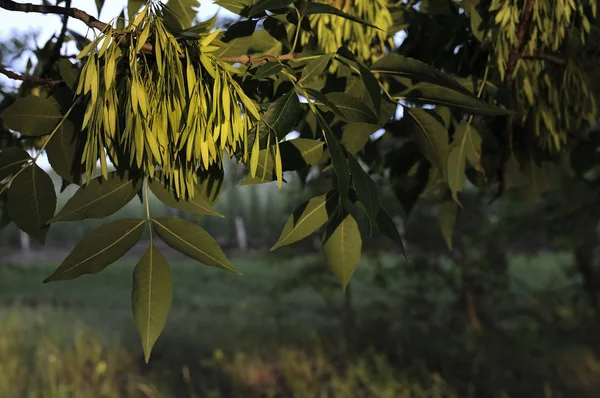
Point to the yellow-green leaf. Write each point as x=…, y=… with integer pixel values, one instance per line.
x=198, y=205
x=32, y=116
x=342, y=247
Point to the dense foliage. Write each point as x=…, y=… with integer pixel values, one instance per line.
x=158, y=101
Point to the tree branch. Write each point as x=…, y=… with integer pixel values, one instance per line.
x=44, y=9
x=33, y=79
x=249, y=59
x=521, y=35
x=545, y=56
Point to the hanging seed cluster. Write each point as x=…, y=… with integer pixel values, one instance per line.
x=560, y=97
x=367, y=43
x=157, y=102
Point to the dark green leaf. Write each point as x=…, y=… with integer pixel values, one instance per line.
x=306, y=219
x=416, y=70
x=99, y=5
x=151, y=297
x=356, y=135
x=338, y=158
x=69, y=73
x=466, y=145
x=277, y=29
x=353, y=109
x=319, y=8
x=300, y=152
x=100, y=248
x=447, y=211
x=435, y=94
x=63, y=152
x=282, y=115
x=180, y=13
x=31, y=201
x=239, y=7
x=210, y=184
x=200, y=28
x=100, y=198
x=365, y=188
x=372, y=86
x=264, y=5
x=431, y=136
x=315, y=68
x=387, y=226
x=198, y=205
x=191, y=240
x=11, y=160
x=133, y=6
x=268, y=69
x=32, y=115
x=317, y=96
x=342, y=247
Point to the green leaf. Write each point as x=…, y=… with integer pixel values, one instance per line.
x=315, y=68
x=416, y=70
x=133, y=6
x=11, y=160
x=372, y=86
x=180, y=13
x=338, y=158
x=356, y=135
x=234, y=47
x=342, y=247
x=264, y=5
x=435, y=94
x=99, y=5
x=69, y=72
x=431, y=136
x=365, y=188
x=317, y=96
x=282, y=115
x=300, y=152
x=63, y=152
x=191, y=240
x=387, y=226
x=265, y=171
x=198, y=205
x=466, y=145
x=447, y=211
x=99, y=249
x=199, y=28
x=31, y=201
x=151, y=297
x=268, y=69
x=353, y=109
x=100, y=198
x=210, y=184
x=319, y=8
x=32, y=116
x=239, y=7
x=306, y=219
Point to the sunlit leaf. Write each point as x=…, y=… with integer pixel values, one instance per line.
x=342, y=247
x=100, y=248
x=319, y=8
x=356, y=135
x=151, y=297
x=300, y=152
x=307, y=218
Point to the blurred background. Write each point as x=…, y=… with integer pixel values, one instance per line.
x=512, y=311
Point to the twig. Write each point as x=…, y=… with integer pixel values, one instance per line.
x=545, y=56
x=34, y=79
x=249, y=59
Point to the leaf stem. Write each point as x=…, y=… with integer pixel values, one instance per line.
x=300, y=17
x=147, y=203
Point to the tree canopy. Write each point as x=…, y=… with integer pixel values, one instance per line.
x=496, y=96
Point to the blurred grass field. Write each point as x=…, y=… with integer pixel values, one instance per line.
x=278, y=330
